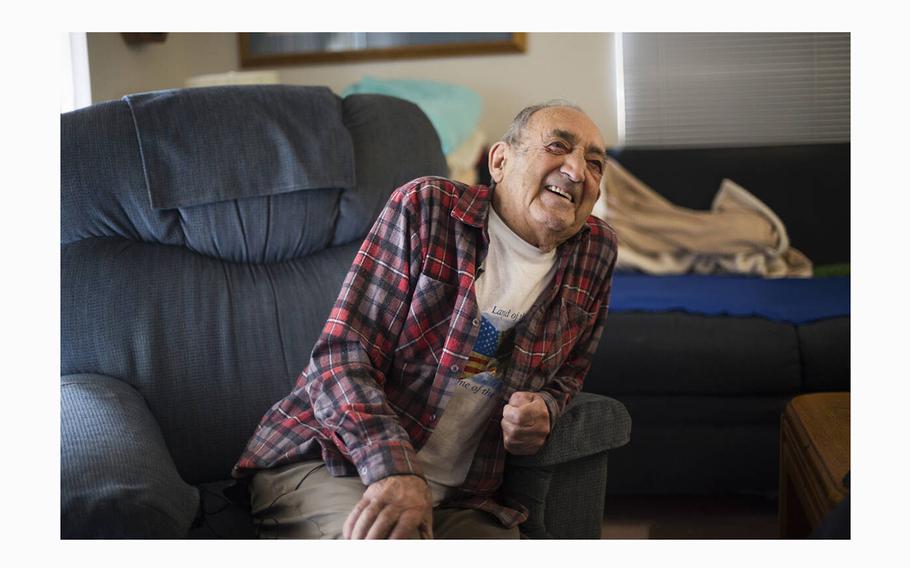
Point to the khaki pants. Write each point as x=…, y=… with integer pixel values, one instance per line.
x=303, y=500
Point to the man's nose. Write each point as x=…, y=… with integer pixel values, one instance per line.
x=573, y=167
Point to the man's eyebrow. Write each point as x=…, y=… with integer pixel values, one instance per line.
x=572, y=139
x=565, y=135
x=592, y=149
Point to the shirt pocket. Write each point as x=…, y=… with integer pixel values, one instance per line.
x=563, y=337
x=427, y=323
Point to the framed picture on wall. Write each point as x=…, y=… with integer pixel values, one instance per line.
x=270, y=49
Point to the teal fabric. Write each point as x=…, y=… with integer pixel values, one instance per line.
x=453, y=110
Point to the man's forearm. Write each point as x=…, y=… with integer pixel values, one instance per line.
x=346, y=377
x=569, y=379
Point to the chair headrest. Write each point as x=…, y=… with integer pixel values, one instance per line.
x=214, y=144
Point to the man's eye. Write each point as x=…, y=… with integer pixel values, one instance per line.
x=596, y=165
x=557, y=147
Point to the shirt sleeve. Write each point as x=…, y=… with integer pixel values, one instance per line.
x=347, y=372
x=569, y=378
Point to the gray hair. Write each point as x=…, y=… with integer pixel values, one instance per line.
x=516, y=130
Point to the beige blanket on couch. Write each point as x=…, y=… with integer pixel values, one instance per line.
x=739, y=235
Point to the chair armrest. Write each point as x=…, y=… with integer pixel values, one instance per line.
x=117, y=478
x=564, y=484
x=591, y=424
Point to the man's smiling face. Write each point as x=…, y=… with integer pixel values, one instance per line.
x=547, y=182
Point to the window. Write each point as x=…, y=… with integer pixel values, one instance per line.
x=76, y=88
x=716, y=89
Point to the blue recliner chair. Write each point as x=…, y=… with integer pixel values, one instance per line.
x=205, y=234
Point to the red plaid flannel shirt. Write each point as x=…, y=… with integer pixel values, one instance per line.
x=402, y=329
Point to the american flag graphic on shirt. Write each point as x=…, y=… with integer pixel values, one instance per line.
x=489, y=350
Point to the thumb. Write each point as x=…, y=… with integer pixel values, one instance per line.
x=520, y=398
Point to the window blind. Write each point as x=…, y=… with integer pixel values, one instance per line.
x=717, y=89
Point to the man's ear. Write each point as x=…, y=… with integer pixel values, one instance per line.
x=497, y=160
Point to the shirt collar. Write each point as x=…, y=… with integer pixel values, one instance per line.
x=473, y=204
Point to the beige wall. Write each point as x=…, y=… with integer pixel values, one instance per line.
x=575, y=66
x=118, y=69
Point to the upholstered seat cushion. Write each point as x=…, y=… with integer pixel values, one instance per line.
x=675, y=353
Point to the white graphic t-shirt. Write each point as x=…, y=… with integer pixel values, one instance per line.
x=515, y=273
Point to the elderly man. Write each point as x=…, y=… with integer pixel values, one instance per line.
x=463, y=328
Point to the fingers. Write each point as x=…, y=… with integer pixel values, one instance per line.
x=348, y=526
x=365, y=521
x=521, y=441
x=519, y=410
x=371, y=521
x=520, y=398
x=383, y=525
x=526, y=409
x=409, y=523
x=514, y=415
x=394, y=507
x=425, y=530
x=525, y=423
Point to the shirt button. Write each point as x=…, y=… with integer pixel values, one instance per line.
x=433, y=418
x=476, y=322
x=454, y=368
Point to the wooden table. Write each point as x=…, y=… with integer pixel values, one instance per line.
x=814, y=458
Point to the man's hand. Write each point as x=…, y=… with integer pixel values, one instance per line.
x=525, y=423
x=393, y=507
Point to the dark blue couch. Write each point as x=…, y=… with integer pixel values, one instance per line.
x=706, y=392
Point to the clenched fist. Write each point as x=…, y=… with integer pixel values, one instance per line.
x=525, y=423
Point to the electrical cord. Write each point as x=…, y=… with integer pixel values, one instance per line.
x=202, y=519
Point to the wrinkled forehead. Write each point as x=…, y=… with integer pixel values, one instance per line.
x=569, y=124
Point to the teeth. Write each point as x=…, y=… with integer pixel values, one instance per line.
x=558, y=191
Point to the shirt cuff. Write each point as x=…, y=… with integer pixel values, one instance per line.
x=378, y=461
x=552, y=406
